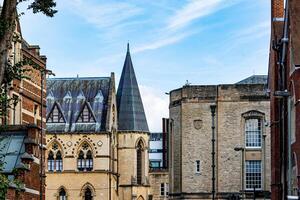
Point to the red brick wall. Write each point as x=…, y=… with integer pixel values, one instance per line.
x=277, y=8
x=292, y=81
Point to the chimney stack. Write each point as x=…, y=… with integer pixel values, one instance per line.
x=277, y=9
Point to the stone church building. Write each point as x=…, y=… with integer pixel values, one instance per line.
x=97, y=138
x=239, y=151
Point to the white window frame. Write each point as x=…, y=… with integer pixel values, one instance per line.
x=253, y=134
x=164, y=189
x=261, y=175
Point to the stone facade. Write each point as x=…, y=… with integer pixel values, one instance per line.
x=159, y=178
x=191, y=135
x=89, y=154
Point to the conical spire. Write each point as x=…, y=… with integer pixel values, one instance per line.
x=131, y=115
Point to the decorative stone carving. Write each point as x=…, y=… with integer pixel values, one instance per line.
x=99, y=143
x=198, y=123
x=69, y=143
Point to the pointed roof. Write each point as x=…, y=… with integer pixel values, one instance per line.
x=254, y=79
x=131, y=115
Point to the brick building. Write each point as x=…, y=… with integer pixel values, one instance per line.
x=20, y=132
x=240, y=145
x=284, y=82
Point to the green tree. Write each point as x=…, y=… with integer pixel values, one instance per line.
x=8, y=19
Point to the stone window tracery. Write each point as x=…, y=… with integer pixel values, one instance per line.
x=55, y=162
x=85, y=158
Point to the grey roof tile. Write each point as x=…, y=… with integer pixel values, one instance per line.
x=71, y=94
x=254, y=79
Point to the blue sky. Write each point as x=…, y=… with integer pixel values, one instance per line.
x=171, y=41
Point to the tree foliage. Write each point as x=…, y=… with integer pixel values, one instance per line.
x=10, y=71
x=8, y=18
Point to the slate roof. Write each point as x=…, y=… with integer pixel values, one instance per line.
x=11, y=148
x=131, y=115
x=71, y=94
x=254, y=79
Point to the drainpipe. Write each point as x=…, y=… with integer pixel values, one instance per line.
x=213, y=140
x=41, y=137
x=282, y=68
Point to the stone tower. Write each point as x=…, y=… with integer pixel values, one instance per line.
x=133, y=136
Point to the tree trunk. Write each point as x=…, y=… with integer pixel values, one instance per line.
x=8, y=19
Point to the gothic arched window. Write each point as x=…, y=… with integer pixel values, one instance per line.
x=55, y=162
x=89, y=161
x=51, y=161
x=85, y=158
x=80, y=161
x=58, y=161
x=139, y=162
x=62, y=194
x=88, y=194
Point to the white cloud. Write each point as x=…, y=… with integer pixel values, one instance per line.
x=195, y=9
x=162, y=42
x=156, y=105
x=103, y=15
x=247, y=35
x=254, y=31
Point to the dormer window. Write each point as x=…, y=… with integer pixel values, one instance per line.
x=55, y=115
x=86, y=115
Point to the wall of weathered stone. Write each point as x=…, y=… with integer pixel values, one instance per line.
x=190, y=137
x=156, y=179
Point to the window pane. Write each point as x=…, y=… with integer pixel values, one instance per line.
x=253, y=174
x=162, y=189
x=253, y=133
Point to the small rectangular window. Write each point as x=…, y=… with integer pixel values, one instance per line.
x=162, y=189
x=167, y=189
x=198, y=166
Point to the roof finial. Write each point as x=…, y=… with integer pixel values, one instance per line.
x=128, y=46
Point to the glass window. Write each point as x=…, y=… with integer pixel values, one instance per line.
x=253, y=174
x=62, y=194
x=162, y=189
x=253, y=132
x=89, y=161
x=85, y=161
x=55, y=116
x=50, y=161
x=197, y=166
x=86, y=115
x=88, y=194
x=58, y=162
x=80, y=161
x=167, y=189
x=155, y=164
